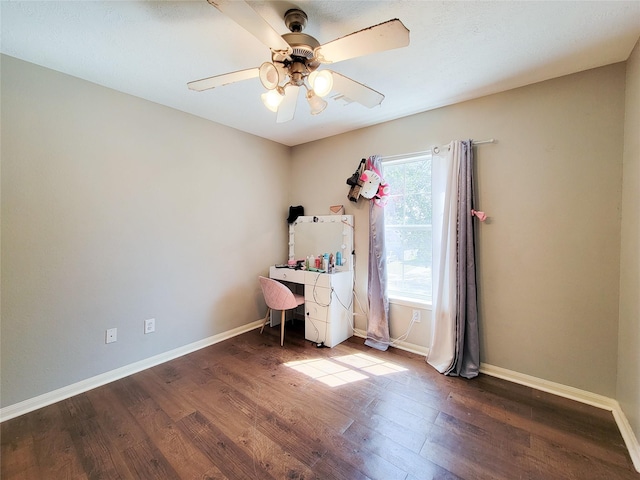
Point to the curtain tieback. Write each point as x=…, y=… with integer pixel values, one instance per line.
x=481, y=215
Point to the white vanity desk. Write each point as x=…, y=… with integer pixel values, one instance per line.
x=328, y=306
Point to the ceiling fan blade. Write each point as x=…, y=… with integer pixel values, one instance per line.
x=349, y=90
x=287, y=108
x=385, y=36
x=224, y=79
x=245, y=16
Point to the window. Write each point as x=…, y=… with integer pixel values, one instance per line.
x=408, y=232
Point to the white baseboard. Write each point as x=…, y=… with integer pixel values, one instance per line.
x=409, y=347
x=63, y=393
x=565, y=391
x=600, y=401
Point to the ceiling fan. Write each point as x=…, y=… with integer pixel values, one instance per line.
x=296, y=58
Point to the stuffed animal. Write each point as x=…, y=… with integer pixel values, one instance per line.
x=370, y=183
x=382, y=195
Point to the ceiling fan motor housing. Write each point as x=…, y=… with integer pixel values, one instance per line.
x=302, y=44
x=300, y=62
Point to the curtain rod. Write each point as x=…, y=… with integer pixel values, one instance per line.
x=435, y=149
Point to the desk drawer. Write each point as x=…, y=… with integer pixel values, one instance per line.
x=317, y=295
x=317, y=279
x=315, y=331
x=287, y=274
x=316, y=312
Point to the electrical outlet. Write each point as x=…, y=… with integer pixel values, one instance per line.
x=416, y=316
x=111, y=335
x=150, y=325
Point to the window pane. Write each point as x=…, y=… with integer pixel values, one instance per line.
x=408, y=228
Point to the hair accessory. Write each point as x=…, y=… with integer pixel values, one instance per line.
x=295, y=212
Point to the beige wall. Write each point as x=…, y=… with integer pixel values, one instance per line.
x=628, y=393
x=549, y=254
x=115, y=210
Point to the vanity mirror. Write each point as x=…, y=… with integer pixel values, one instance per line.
x=318, y=234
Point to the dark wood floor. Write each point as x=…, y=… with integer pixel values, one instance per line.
x=248, y=409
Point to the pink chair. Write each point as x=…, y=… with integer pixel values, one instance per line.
x=278, y=296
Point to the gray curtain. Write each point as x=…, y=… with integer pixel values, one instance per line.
x=378, y=322
x=466, y=362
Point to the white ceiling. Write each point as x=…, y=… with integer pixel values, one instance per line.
x=458, y=51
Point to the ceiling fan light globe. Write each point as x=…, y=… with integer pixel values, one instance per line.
x=269, y=76
x=316, y=103
x=321, y=82
x=272, y=100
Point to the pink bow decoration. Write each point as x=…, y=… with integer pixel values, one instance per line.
x=481, y=215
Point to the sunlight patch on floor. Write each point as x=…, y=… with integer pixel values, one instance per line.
x=345, y=369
